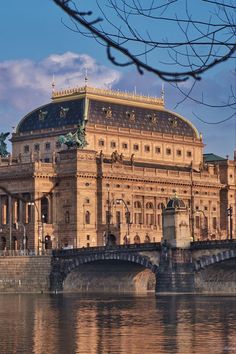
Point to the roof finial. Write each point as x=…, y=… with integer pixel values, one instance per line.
x=163, y=91
x=86, y=77
x=53, y=84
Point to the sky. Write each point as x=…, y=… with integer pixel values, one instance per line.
x=35, y=45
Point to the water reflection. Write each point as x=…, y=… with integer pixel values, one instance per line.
x=116, y=324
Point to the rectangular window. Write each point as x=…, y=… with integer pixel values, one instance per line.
x=118, y=218
x=101, y=143
x=88, y=237
x=36, y=147
x=47, y=146
x=135, y=147
x=58, y=145
x=189, y=153
x=26, y=149
x=113, y=144
x=168, y=151
x=197, y=222
x=214, y=222
x=147, y=148
x=137, y=218
x=125, y=146
x=158, y=150
x=178, y=152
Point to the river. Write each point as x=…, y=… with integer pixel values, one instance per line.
x=115, y=324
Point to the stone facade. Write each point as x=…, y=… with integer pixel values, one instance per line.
x=138, y=156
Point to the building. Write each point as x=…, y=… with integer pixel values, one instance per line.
x=138, y=155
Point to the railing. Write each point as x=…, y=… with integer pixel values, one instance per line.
x=106, y=249
x=213, y=244
x=22, y=253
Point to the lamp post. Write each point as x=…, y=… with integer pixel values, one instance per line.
x=127, y=214
x=230, y=214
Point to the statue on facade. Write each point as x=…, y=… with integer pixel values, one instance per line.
x=77, y=139
x=3, y=145
x=116, y=157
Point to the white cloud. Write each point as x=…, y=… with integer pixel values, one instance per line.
x=25, y=84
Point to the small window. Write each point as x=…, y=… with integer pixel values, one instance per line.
x=67, y=217
x=137, y=204
x=47, y=146
x=88, y=237
x=87, y=217
x=36, y=147
x=178, y=152
x=168, y=151
x=214, y=222
x=157, y=150
x=189, y=153
x=101, y=142
x=58, y=145
x=205, y=208
x=26, y=149
x=113, y=144
x=125, y=146
x=147, y=148
x=149, y=205
x=135, y=147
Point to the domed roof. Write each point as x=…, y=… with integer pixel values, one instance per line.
x=175, y=203
x=110, y=109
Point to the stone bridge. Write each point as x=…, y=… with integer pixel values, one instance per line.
x=206, y=266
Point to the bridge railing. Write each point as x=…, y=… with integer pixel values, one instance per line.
x=102, y=249
x=213, y=244
x=22, y=253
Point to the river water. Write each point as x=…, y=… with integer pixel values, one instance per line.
x=109, y=324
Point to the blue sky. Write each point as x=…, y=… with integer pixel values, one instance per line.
x=35, y=45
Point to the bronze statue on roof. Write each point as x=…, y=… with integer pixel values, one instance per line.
x=77, y=139
x=3, y=145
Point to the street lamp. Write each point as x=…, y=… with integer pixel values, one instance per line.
x=127, y=214
x=230, y=214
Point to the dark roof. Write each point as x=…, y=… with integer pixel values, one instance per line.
x=175, y=203
x=71, y=112
x=213, y=158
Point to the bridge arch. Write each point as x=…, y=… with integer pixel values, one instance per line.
x=64, y=266
x=208, y=260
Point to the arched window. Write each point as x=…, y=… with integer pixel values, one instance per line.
x=87, y=217
x=48, y=242
x=137, y=204
x=149, y=205
x=44, y=209
x=161, y=206
x=147, y=238
x=137, y=239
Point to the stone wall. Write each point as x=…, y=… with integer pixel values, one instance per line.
x=25, y=274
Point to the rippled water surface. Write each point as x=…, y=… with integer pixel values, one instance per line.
x=75, y=323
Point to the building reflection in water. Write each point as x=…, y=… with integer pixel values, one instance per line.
x=116, y=324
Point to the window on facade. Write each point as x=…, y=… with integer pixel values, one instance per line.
x=149, y=219
x=87, y=217
x=87, y=201
x=161, y=206
x=147, y=148
x=159, y=220
x=125, y=146
x=168, y=151
x=137, y=239
x=47, y=160
x=36, y=147
x=101, y=142
x=88, y=244
x=88, y=237
x=197, y=222
x=149, y=205
x=189, y=153
x=138, y=218
x=205, y=207
x=135, y=147
x=58, y=145
x=45, y=209
x=47, y=146
x=113, y=144
x=26, y=149
x=157, y=150
x=214, y=222
x=178, y=152
x=137, y=204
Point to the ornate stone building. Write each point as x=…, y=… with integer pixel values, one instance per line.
x=138, y=155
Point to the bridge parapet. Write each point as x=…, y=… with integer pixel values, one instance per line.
x=132, y=248
x=203, y=245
